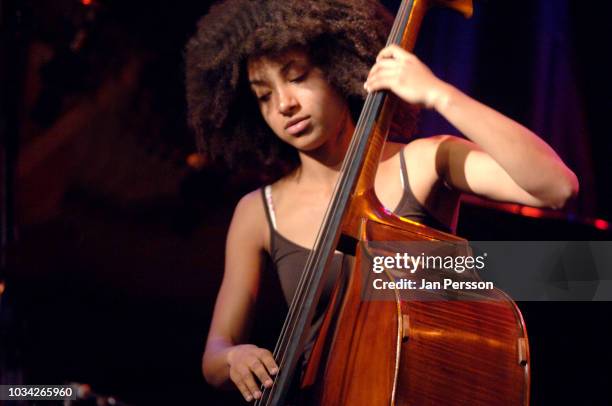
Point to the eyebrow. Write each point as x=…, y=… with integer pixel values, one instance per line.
x=284, y=69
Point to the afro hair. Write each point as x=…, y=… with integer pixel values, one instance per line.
x=342, y=37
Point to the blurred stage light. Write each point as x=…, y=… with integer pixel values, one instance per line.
x=601, y=224
x=531, y=212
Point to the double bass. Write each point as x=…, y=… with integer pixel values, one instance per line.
x=437, y=350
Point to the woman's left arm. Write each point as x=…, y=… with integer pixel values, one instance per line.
x=506, y=161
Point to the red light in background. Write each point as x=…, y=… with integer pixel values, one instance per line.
x=196, y=160
x=601, y=224
x=531, y=212
x=86, y=2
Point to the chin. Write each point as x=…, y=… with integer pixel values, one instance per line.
x=311, y=142
x=307, y=141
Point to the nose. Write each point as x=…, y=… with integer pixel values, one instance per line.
x=287, y=102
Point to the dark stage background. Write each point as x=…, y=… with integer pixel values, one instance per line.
x=113, y=244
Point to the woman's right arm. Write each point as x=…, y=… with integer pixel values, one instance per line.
x=226, y=357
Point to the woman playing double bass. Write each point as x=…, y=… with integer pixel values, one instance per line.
x=284, y=82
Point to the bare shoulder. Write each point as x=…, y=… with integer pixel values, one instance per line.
x=420, y=156
x=250, y=204
x=249, y=222
x=424, y=160
x=428, y=145
x=285, y=192
x=434, y=154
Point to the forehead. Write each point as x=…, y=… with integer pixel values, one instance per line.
x=260, y=66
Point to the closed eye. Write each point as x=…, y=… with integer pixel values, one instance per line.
x=299, y=78
x=264, y=97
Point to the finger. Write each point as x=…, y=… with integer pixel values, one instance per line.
x=246, y=393
x=386, y=53
x=394, y=52
x=388, y=71
x=382, y=65
x=268, y=360
x=238, y=379
x=261, y=373
x=249, y=380
x=380, y=81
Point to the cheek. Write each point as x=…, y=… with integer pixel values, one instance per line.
x=334, y=105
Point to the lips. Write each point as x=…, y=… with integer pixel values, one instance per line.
x=297, y=125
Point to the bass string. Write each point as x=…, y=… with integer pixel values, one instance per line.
x=369, y=106
x=306, y=276
x=313, y=262
x=313, y=268
x=296, y=305
x=366, y=117
x=367, y=113
x=305, y=282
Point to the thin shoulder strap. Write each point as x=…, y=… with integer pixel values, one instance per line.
x=403, y=170
x=267, y=198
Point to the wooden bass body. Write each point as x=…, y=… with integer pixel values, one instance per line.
x=438, y=350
